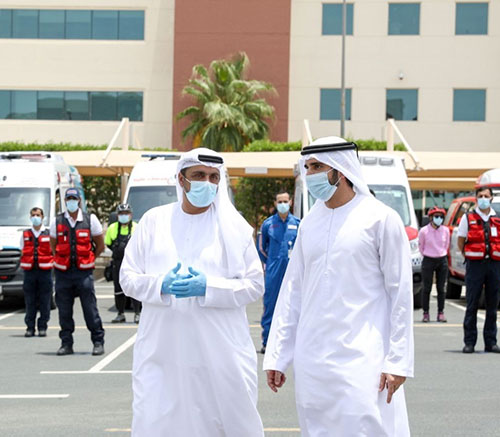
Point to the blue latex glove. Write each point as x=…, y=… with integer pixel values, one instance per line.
x=196, y=285
x=169, y=278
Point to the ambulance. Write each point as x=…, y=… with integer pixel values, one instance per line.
x=28, y=179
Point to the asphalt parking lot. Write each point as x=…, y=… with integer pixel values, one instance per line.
x=81, y=395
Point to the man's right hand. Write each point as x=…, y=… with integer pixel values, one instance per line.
x=275, y=379
x=171, y=276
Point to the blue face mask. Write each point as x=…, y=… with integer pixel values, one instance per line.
x=72, y=205
x=283, y=208
x=202, y=193
x=35, y=220
x=483, y=202
x=123, y=218
x=319, y=186
x=438, y=221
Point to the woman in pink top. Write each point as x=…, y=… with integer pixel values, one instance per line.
x=433, y=242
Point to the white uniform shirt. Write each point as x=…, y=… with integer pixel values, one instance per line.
x=35, y=233
x=95, y=224
x=463, y=226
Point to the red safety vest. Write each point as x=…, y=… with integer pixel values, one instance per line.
x=475, y=245
x=73, y=245
x=36, y=251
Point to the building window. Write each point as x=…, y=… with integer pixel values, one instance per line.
x=71, y=24
x=402, y=104
x=330, y=104
x=332, y=18
x=469, y=105
x=471, y=19
x=404, y=18
x=71, y=105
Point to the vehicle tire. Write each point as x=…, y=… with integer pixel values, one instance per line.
x=453, y=291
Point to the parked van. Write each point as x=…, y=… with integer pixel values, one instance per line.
x=28, y=179
x=386, y=177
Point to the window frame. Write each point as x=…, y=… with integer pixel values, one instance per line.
x=387, y=90
x=390, y=5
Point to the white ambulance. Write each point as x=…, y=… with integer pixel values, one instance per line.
x=28, y=179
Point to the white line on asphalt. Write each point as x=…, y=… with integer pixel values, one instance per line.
x=460, y=307
x=265, y=429
x=82, y=372
x=110, y=357
x=100, y=280
x=104, y=296
x=34, y=396
x=6, y=316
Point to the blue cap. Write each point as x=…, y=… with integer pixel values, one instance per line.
x=72, y=192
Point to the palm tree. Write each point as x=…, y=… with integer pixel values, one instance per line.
x=229, y=111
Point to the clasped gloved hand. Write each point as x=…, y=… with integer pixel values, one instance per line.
x=170, y=277
x=196, y=285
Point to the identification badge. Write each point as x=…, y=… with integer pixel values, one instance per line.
x=292, y=226
x=494, y=232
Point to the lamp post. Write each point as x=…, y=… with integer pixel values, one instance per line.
x=342, y=74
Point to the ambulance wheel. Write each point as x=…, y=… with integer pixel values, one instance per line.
x=453, y=291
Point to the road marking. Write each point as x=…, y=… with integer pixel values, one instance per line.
x=105, y=296
x=437, y=325
x=100, y=280
x=52, y=328
x=34, y=396
x=460, y=307
x=265, y=429
x=116, y=353
x=6, y=316
x=83, y=372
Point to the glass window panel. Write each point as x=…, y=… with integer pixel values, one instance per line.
x=105, y=24
x=103, y=106
x=469, y=105
x=5, y=23
x=76, y=105
x=78, y=24
x=131, y=25
x=402, y=104
x=4, y=104
x=330, y=104
x=404, y=18
x=471, y=19
x=50, y=105
x=25, y=23
x=130, y=105
x=332, y=19
x=52, y=24
x=23, y=104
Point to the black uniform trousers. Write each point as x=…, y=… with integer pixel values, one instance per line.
x=120, y=298
x=478, y=274
x=429, y=266
x=37, y=287
x=69, y=285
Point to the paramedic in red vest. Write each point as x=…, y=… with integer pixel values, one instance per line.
x=37, y=262
x=71, y=237
x=479, y=241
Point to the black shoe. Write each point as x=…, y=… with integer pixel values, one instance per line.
x=120, y=318
x=29, y=333
x=495, y=349
x=98, y=349
x=42, y=333
x=137, y=317
x=65, y=350
x=262, y=350
x=468, y=349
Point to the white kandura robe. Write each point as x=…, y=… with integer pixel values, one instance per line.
x=344, y=316
x=195, y=365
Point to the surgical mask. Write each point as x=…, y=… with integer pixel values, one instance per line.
x=72, y=205
x=35, y=220
x=438, y=221
x=283, y=208
x=202, y=193
x=319, y=185
x=483, y=202
x=123, y=218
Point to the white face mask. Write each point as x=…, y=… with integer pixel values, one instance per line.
x=72, y=205
x=438, y=221
x=35, y=220
x=283, y=208
x=319, y=185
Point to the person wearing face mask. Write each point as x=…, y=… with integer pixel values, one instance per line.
x=37, y=262
x=77, y=240
x=479, y=241
x=194, y=266
x=344, y=314
x=276, y=240
x=117, y=236
x=433, y=242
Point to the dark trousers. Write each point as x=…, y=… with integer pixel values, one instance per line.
x=120, y=298
x=37, y=287
x=69, y=285
x=429, y=266
x=478, y=274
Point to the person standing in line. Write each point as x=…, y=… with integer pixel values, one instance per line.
x=344, y=315
x=479, y=241
x=37, y=262
x=277, y=237
x=72, y=236
x=117, y=237
x=434, y=242
x=194, y=266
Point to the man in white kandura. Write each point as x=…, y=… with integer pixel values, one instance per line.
x=344, y=312
x=194, y=266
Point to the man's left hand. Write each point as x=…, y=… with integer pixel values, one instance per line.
x=392, y=383
x=195, y=285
